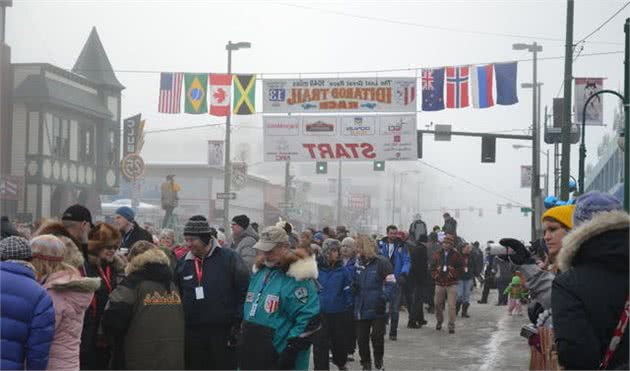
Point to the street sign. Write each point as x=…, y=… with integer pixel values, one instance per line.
x=526, y=209
x=132, y=166
x=526, y=176
x=284, y=205
x=442, y=133
x=226, y=196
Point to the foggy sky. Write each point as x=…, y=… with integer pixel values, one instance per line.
x=143, y=38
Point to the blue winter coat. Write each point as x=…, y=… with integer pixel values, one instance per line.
x=27, y=319
x=335, y=295
x=373, y=285
x=399, y=259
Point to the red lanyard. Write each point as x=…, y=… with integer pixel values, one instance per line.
x=106, y=276
x=617, y=335
x=199, y=270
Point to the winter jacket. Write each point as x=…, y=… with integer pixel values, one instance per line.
x=477, y=256
x=470, y=267
x=450, y=226
x=516, y=291
x=503, y=271
x=145, y=316
x=399, y=258
x=419, y=272
x=27, y=318
x=283, y=302
x=71, y=295
x=349, y=265
x=373, y=286
x=136, y=234
x=335, y=295
x=454, y=267
x=244, y=246
x=224, y=280
x=588, y=297
x=94, y=346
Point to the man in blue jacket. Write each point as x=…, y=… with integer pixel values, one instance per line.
x=26, y=310
x=212, y=283
x=392, y=248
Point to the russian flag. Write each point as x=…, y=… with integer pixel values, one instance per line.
x=482, y=79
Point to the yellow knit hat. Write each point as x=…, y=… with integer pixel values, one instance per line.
x=563, y=214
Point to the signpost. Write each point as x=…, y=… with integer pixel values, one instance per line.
x=226, y=196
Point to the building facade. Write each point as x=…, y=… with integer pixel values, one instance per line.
x=64, y=135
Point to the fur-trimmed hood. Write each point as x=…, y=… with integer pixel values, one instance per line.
x=152, y=256
x=71, y=280
x=297, y=264
x=603, y=240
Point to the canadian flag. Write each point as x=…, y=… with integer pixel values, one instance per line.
x=220, y=94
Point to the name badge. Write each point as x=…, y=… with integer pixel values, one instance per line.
x=199, y=293
x=252, y=311
x=444, y=268
x=466, y=269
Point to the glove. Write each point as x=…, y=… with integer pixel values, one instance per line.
x=533, y=311
x=286, y=359
x=521, y=255
x=402, y=279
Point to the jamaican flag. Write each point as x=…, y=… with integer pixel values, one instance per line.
x=196, y=91
x=244, y=94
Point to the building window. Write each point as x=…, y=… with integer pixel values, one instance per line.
x=111, y=150
x=86, y=144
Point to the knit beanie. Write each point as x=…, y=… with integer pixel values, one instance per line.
x=48, y=247
x=198, y=226
x=241, y=220
x=591, y=203
x=516, y=280
x=15, y=248
x=563, y=214
x=329, y=245
x=126, y=212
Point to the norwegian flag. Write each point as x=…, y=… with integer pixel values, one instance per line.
x=220, y=94
x=9, y=189
x=457, y=85
x=170, y=92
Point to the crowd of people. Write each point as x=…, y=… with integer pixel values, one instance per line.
x=78, y=295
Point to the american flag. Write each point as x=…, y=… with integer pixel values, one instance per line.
x=170, y=92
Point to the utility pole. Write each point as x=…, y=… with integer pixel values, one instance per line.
x=626, y=136
x=339, y=190
x=287, y=188
x=565, y=164
x=393, y=198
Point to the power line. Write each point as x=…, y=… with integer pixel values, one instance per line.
x=432, y=27
x=405, y=69
x=469, y=182
x=198, y=127
x=603, y=24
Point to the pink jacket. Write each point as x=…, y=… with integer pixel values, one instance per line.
x=71, y=294
x=180, y=251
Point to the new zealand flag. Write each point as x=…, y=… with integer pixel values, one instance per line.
x=433, y=89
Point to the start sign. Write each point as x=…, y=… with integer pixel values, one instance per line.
x=132, y=166
x=348, y=138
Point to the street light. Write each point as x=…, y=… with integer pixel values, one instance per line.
x=228, y=165
x=519, y=146
x=534, y=48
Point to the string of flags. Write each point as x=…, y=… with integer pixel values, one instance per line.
x=483, y=86
x=196, y=93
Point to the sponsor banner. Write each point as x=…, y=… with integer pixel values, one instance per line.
x=346, y=138
x=340, y=95
x=358, y=201
x=584, y=88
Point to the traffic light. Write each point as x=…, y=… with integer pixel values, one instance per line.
x=321, y=167
x=488, y=148
x=379, y=165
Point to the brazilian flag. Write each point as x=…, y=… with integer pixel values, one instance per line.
x=196, y=92
x=244, y=94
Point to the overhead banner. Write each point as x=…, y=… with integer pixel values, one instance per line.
x=346, y=138
x=584, y=88
x=340, y=95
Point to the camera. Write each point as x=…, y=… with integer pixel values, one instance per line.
x=529, y=330
x=496, y=249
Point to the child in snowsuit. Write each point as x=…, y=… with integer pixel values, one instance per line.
x=516, y=292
